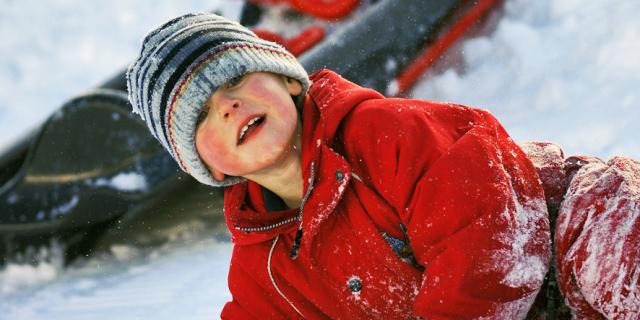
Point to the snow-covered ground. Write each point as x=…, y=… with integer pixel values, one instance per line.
x=183, y=280
x=557, y=70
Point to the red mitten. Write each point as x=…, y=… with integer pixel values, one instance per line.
x=597, y=239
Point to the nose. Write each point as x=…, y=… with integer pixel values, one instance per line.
x=226, y=107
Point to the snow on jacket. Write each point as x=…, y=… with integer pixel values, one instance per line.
x=380, y=174
x=597, y=234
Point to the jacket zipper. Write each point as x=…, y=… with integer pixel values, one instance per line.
x=296, y=242
x=273, y=281
x=298, y=238
x=270, y=226
x=289, y=220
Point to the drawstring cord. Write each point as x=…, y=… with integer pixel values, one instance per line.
x=273, y=280
x=296, y=243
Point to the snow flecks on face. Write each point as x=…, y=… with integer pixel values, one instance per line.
x=128, y=182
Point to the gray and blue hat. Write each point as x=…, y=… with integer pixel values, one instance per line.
x=182, y=63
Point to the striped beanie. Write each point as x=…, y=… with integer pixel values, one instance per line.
x=182, y=63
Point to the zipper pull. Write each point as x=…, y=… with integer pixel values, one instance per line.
x=296, y=245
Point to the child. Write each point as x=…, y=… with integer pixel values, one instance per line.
x=341, y=203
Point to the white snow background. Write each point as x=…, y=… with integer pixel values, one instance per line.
x=566, y=71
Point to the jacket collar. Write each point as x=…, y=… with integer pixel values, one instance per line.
x=328, y=102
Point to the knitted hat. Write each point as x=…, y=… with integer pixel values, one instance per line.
x=182, y=63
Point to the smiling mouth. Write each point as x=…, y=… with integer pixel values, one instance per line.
x=249, y=128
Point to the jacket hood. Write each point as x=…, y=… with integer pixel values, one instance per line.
x=334, y=97
x=329, y=100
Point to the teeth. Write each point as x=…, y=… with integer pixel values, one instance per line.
x=246, y=127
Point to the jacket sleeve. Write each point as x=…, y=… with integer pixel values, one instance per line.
x=470, y=199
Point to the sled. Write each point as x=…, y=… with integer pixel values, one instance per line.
x=88, y=166
x=92, y=174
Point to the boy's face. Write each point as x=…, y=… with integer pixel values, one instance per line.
x=248, y=125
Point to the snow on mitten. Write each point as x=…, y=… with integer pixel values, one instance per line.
x=548, y=159
x=597, y=240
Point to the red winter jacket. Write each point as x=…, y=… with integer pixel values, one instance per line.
x=381, y=173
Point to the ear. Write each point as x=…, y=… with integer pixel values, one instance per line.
x=294, y=86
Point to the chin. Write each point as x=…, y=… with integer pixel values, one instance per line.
x=274, y=155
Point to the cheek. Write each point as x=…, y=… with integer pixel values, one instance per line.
x=289, y=120
x=213, y=151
